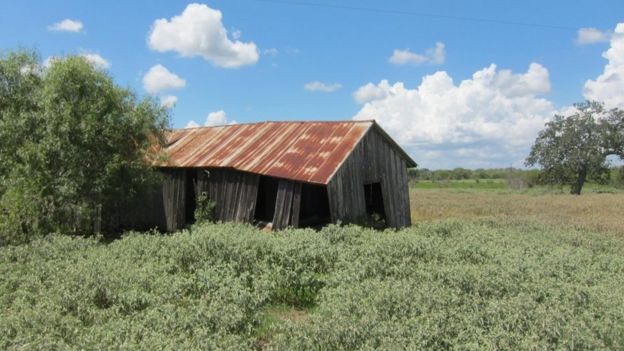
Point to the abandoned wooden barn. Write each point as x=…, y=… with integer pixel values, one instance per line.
x=287, y=173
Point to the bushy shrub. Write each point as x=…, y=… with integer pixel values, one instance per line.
x=433, y=286
x=71, y=143
x=617, y=177
x=204, y=209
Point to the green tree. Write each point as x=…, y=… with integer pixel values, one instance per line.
x=572, y=149
x=460, y=173
x=71, y=143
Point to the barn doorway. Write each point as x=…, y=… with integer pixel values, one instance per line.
x=314, y=210
x=374, y=204
x=265, y=202
x=191, y=196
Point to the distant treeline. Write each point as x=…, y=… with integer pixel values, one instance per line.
x=514, y=176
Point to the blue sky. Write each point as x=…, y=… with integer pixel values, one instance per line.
x=457, y=83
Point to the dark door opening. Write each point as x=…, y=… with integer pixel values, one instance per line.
x=265, y=203
x=374, y=202
x=314, y=210
x=191, y=196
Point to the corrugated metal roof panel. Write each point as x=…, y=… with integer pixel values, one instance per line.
x=303, y=151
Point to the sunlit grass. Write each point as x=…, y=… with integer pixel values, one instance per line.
x=596, y=209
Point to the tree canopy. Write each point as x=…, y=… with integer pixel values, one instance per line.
x=571, y=149
x=71, y=141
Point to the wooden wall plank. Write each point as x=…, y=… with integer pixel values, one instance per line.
x=247, y=196
x=296, y=205
x=283, y=204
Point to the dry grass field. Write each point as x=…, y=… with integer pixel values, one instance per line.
x=591, y=211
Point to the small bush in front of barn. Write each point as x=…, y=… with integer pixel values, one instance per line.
x=204, y=209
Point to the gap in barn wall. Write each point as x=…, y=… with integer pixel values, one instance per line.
x=314, y=211
x=374, y=200
x=267, y=196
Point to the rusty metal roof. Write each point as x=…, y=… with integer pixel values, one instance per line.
x=303, y=151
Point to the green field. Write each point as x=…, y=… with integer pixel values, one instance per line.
x=479, y=270
x=508, y=186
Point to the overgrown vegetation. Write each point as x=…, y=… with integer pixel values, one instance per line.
x=204, y=209
x=224, y=286
x=72, y=145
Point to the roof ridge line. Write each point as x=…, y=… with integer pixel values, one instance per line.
x=287, y=121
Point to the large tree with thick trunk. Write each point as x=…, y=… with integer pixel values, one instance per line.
x=574, y=148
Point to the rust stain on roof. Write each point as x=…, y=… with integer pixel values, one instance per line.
x=303, y=151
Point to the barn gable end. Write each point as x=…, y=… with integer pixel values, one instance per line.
x=375, y=161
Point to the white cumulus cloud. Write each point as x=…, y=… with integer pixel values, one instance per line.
x=192, y=124
x=322, y=87
x=158, y=78
x=488, y=120
x=370, y=91
x=217, y=118
x=96, y=60
x=433, y=56
x=66, y=25
x=199, y=31
x=168, y=101
x=609, y=86
x=590, y=35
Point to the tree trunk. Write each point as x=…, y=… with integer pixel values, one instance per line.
x=580, y=181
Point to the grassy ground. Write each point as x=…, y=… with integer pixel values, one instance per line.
x=599, y=208
x=462, y=184
x=481, y=269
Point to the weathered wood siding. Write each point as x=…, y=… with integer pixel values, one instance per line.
x=142, y=213
x=373, y=160
x=235, y=193
x=287, y=204
x=174, y=199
